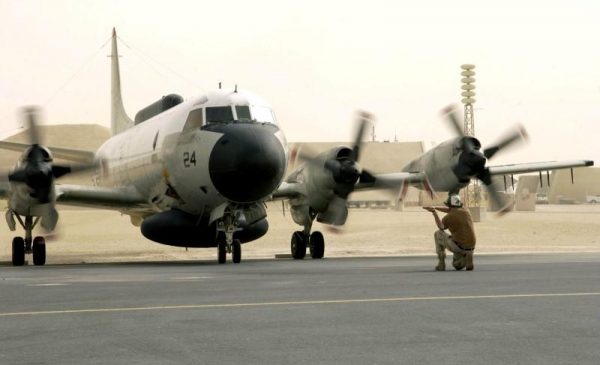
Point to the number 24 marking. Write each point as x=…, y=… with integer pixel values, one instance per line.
x=189, y=159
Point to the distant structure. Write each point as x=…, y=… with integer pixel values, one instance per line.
x=472, y=191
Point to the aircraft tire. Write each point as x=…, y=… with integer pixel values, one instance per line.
x=222, y=252
x=317, y=245
x=18, y=251
x=236, y=254
x=39, y=251
x=298, y=245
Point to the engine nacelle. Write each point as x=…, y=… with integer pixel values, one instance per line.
x=438, y=164
x=322, y=190
x=320, y=184
x=177, y=228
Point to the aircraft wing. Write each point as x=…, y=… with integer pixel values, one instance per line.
x=290, y=190
x=537, y=166
x=100, y=197
x=69, y=154
x=389, y=180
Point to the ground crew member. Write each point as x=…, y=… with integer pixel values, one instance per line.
x=460, y=241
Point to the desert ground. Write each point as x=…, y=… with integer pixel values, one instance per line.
x=106, y=236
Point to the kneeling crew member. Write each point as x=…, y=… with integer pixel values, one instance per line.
x=460, y=241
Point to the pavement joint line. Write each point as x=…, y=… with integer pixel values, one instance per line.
x=306, y=302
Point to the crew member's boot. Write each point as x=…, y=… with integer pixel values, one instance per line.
x=459, y=260
x=469, y=261
x=440, y=249
x=441, y=266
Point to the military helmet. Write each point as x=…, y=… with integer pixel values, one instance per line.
x=453, y=201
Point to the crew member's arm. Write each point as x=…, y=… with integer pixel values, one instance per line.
x=438, y=221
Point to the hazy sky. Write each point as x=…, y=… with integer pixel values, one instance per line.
x=316, y=62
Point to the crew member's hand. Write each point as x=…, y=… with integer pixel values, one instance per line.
x=429, y=209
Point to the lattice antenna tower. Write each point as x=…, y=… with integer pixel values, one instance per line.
x=472, y=195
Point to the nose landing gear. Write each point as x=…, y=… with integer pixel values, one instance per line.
x=226, y=227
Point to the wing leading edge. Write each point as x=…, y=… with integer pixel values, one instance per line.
x=290, y=190
x=538, y=166
x=125, y=198
x=69, y=154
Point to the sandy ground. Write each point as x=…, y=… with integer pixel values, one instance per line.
x=102, y=236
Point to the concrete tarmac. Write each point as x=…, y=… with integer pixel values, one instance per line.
x=513, y=309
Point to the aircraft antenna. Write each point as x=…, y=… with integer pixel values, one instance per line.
x=235, y=91
x=219, y=85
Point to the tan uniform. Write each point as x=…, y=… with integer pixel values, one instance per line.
x=462, y=239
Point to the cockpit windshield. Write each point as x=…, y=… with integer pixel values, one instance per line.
x=219, y=114
x=253, y=113
x=262, y=114
x=243, y=112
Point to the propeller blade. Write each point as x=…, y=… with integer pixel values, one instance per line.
x=32, y=114
x=300, y=153
x=450, y=113
x=18, y=176
x=363, y=119
x=402, y=193
x=62, y=170
x=499, y=202
x=519, y=134
x=452, y=117
x=337, y=211
x=303, y=154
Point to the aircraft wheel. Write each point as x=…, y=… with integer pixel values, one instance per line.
x=18, y=251
x=222, y=255
x=317, y=245
x=236, y=251
x=298, y=245
x=39, y=251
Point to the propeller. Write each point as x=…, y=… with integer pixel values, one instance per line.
x=344, y=170
x=36, y=168
x=471, y=162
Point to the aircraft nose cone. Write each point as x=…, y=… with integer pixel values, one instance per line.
x=247, y=163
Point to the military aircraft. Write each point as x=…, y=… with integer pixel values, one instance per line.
x=192, y=173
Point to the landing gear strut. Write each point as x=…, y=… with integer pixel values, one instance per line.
x=226, y=227
x=303, y=239
x=28, y=245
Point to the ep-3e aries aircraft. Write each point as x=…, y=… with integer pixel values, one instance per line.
x=192, y=173
x=197, y=173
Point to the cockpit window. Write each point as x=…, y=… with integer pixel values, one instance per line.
x=243, y=112
x=194, y=120
x=219, y=114
x=262, y=114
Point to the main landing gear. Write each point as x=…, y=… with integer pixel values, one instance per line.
x=28, y=245
x=226, y=227
x=314, y=241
